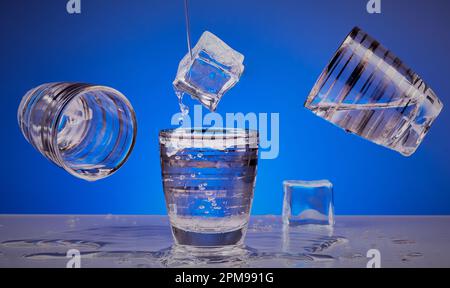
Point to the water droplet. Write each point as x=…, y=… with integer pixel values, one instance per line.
x=208, y=193
x=193, y=175
x=177, y=157
x=414, y=254
x=201, y=207
x=182, y=177
x=200, y=155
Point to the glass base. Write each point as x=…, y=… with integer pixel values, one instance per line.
x=208, y=239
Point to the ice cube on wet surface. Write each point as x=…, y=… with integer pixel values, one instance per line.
x=213, y=70
x=308, y=202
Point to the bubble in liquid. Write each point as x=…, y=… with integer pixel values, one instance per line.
x=193, y=175
x=182, y=177
x=200, y=155
x=201, y=207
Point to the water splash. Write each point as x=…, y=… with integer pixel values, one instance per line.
x=49, y=243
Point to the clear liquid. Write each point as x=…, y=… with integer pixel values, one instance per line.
x=209, y=194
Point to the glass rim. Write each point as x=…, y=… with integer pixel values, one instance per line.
x=308, y=183
x=210, y=133
x=222, y=139
x=85, y=90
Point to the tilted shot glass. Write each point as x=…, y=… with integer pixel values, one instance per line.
x=88, y=130
x=368, y=91
x=208, y=179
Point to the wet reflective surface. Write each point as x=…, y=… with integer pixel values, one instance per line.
x=146, y=241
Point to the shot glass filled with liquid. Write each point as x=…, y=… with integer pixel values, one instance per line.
x=208, y=179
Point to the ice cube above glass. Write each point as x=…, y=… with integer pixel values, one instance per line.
x=213, y=69
x=308, y=202
x=368, y=91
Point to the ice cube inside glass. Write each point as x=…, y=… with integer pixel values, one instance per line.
x=213, y=70
x=308, y=202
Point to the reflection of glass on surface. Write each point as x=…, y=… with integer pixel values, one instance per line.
x=88, y=130
x=208, y=178
x=143, y=240
x=308, y=202
x=180, y=256
x=367, y=90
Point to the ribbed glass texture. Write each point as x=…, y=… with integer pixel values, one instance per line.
x=86, y=129
x=368, y=91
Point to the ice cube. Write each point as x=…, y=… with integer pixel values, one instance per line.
x=308, y=202
x=213, y=70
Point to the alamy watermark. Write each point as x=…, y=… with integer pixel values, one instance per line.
x=73, y=6
x=74, y=258
x=375, y=258
x=267, y=125
x=373, y=7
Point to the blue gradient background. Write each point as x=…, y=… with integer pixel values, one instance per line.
x=135, y=46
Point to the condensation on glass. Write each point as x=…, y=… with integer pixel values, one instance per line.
x=88, y=130
x=368, y=91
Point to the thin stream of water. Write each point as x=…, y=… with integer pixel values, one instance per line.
x=188, y=26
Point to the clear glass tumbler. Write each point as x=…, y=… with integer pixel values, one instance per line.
x=88, y=130
x=208, y=178
x=368, y=91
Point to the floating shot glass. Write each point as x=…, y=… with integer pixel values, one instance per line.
x=208, y=179
x=368, y=91
x=88, y=130
x=308, y=202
